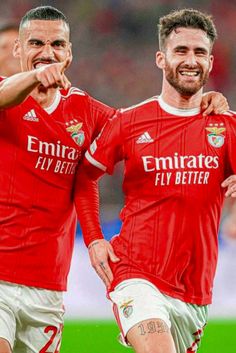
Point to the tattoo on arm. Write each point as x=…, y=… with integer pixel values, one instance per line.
x=157, y=326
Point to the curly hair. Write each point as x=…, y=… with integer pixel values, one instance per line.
x=187, y=18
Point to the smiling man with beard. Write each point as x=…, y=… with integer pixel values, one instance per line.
x=186, y=60
x=175, y=162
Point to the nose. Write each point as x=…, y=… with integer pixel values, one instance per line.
x=190, y=58
x=47, y=49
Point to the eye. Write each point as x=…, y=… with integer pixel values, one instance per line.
x=35, y=43
x=180, y=50
x=60, y=44
x=200, y=52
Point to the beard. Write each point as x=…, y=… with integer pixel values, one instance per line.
x=185, y=89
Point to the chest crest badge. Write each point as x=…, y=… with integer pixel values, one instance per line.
x=215, y=136
x=75, y=130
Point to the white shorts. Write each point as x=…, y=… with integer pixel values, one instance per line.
x=31, y=318
x=136, y=300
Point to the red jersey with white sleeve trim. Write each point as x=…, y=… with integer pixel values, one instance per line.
x=175, y=161
x=40, y=151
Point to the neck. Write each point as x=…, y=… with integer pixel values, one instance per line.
x=175, y=99
x=44, y=97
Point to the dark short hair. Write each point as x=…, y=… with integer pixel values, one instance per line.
x=48, y=13
x=188, y=18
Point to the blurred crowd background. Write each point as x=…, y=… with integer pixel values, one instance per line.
x=114, y=46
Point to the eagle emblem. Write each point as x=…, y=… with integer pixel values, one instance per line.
x=74, y=128
x=215, y=137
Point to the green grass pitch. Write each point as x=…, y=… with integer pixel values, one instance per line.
x=100, y=337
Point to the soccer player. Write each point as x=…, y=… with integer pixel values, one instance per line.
x=9, y=65
x=175, y=162
x=45, y=127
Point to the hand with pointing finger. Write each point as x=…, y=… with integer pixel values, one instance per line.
x=53, y=75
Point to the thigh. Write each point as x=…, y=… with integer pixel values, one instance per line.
x=7, y=318
x=40, y=322
x=188, y=322
x=142, y=314
x=151, y=336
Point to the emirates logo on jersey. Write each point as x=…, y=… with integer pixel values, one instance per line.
x=215, y=138
x=74, y=128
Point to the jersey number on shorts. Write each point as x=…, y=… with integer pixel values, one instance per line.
x=54, y=331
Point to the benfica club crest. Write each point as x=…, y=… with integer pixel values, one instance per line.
x=127, y=309
x=215, y=138
x=74, y=128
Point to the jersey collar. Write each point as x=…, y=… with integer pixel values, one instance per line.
x=177, y=111
x=55, y=103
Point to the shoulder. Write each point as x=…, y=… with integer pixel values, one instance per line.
x=82, y=96
x=230, y=113
x=73, y=92
x=137, y=112
x=229, y=117
x=140, y=107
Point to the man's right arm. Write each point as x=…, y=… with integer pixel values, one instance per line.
x=101, y=157
x=15, y=89
x=87, y=206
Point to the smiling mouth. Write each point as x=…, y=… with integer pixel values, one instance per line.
x=189, y=73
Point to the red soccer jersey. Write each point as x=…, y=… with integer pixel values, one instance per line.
x=40, y=150
x=175, y=161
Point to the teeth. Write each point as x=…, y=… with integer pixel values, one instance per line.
x=40, y=65
x=187, y=73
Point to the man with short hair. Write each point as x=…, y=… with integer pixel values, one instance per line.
x=45, y=127
x=175, y=161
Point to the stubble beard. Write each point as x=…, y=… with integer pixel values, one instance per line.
x=183, y=88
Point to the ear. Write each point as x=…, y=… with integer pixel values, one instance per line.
x=211, y=62
x=160, y=60
x=16, y=49
x=70, y=51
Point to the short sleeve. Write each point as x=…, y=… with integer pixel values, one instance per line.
x=107, y=149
